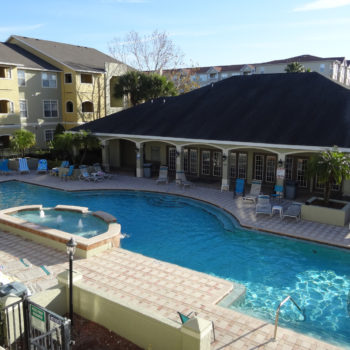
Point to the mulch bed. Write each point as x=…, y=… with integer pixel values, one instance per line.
x=91, y=336
x=334, y=205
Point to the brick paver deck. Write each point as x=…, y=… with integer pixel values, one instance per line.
x=166, y=288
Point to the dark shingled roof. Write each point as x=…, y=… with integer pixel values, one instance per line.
x=305, y=58
x=79, y=58
x=290, y=109
x=11, y=53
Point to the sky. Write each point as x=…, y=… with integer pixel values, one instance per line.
x=209, y=33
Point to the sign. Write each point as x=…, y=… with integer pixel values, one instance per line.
x=37, y=318
x=281, y=172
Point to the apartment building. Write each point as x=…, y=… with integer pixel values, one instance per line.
x=43, y=83
x=336, y=68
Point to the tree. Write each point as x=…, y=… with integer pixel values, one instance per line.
x=63, y=146
x=59, y=129
x=330, y=167
x=152, y=52
x=140, y=87
x=85, y=141
x=295, y=67
x=22, y=140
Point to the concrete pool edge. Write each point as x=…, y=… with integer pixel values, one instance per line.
x=57, y=239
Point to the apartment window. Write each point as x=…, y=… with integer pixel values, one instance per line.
x=21, y=75
x=6, y=107
x=23, y=110
x=258, y=167
x=270, y=176
x=288, y=165
x=322, y=67
x=5, y=72
x=87, y=107
x=86, y=78
x=301, y=172
x=69, y=107
x=68, y=79
x=172, y=158
x=50, y=108
x=242, y=165
x=185, y=160
x=49, y=80
x=49, y=135
x=212, y=75
x=217, y=160
x=193, y=161
x=233, y=164
x=205, y=162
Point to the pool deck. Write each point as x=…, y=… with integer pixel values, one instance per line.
x=166, y=288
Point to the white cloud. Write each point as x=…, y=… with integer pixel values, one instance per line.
x=19, y=29
x=322, y=4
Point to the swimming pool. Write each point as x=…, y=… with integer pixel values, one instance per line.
x=201, y=237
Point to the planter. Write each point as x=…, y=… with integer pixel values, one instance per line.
x=325, y=215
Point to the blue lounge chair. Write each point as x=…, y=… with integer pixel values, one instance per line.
x=69, y=174
x=185, y=318
x=278, y=192
x=42, y=166
x=55, y=171
x=4, y=167
x=23, y=166
x=239, y=189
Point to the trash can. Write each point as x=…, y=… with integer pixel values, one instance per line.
x=147, y=169
x=291, y=189
x=16, y=288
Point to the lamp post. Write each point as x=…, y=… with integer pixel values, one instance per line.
x=71, y=246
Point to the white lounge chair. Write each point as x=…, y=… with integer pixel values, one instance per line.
x=255, y=190
x=293, y=211
x=163, y=175
x=23, y=166
x=100, y=172
x=263, y=205
x=84, y=175
x=183, y=180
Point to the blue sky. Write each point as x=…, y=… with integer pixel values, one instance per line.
x=208, y=32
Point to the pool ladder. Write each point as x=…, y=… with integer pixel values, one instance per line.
x=278, y=312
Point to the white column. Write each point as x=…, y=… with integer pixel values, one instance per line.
x=225, y=185
x=105, y=155
x=179, y=164
x=139, y=159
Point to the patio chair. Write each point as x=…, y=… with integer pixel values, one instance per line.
x=278, y=192
x=184, y=318
x=263, y=205
x=293, y=211
x=23, y=166
x=4, y=167
x=69, y=173
x=100, y=172
x=163, y=175
x=42, y=166
x=84, y=175
x=255, y=190
x=239, y=188
x=55, y=171
x=183, y=180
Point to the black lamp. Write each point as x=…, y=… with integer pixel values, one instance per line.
x=71, y=247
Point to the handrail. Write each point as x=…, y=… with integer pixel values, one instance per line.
x=278, y=312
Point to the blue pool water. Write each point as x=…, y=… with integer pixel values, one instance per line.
x=204, y=238
x=84, y=225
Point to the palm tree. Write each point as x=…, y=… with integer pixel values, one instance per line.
x=85, y=141
x=330, y=167
x=22, y=140
x=295, y=67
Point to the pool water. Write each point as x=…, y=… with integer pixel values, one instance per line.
x=201, y=237
x=84, y=225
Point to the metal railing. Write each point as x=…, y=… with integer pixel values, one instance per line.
x=278, y=312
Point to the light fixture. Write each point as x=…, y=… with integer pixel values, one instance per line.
x=280, y=163
x=71, y=248
x=137, y=150
x=224, y=157
x=177, y=153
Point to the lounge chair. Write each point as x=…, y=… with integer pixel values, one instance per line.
x=278, y=192
x=84, y=175
x=4, y=167
x=163, y=175
x=100, y=172
x=239, y=188
x=55, y=171
x=184, y=318
x=263, y=205
x=293, y=211
x=255, y=190
x=23, y=166
x=42, y=166
x=69, y=173
x=183, y=180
